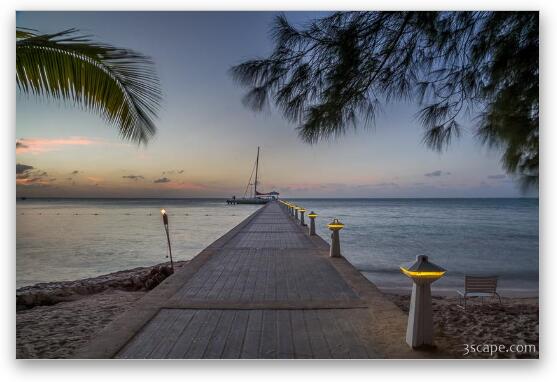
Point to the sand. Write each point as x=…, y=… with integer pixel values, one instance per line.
x=54, y=319
x=56, y=331
x=515, y=322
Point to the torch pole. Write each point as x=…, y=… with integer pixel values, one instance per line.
x=169, y=247
x=165, y=223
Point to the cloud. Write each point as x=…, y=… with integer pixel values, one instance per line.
x=499, y=176
x=133, y=177
x=172, y=172
x=28, y=175
x=377, y=185
x=21, y=168
x=39, y=145
x=95, y=179
x=388, y=184
x=185, y=186
x=436, y=173
x=20, y=145
x=162, y=180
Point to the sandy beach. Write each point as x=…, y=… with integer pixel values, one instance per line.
x=57, y=329
x=54, y=319
x=515, y=322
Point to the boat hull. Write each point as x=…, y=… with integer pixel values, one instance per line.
x=248, y=201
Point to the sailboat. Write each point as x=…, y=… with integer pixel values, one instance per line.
x=256, y=197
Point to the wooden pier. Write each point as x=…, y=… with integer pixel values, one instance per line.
x=266, y=289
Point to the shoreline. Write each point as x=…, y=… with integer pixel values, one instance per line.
x=451, y=293
x=52, y=293
x=54, y=319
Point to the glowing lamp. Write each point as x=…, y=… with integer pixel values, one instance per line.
x=422, y=270
x=164, y=217
x=419, y=331
x=335, y=226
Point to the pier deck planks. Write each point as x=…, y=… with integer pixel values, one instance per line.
x=266, y=290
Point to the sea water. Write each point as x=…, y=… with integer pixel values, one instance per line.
x=67, y=239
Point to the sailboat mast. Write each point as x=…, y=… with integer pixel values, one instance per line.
x=256, y=168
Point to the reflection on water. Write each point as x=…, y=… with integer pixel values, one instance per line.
x=71, y=239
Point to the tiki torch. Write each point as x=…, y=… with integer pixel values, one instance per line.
x=165, y=222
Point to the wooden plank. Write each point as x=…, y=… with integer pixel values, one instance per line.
x=259, y=292
x=149, y=338
x=268, y=347
x=203, y=336
x=216, y=344
x=302, y=345
x=284, y=335
x=250, y=348
x=332, y=334
x=186, y=338
x=319, y=347
x=168, y=337
x=236, y=336
x=352, y=341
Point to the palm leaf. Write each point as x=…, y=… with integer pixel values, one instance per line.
x=118, y=84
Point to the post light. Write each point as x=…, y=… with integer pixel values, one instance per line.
x=302, y=211
x=312, y=215
x=420, y=318
x=335, y=226
x=165, y=223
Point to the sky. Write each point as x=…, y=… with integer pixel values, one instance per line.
x=207, y=140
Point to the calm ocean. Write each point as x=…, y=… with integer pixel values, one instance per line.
x=67, y=239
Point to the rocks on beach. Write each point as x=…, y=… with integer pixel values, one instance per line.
x=137, y=279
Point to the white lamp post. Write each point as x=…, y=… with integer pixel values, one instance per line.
x=312, y=215
x=302, y=211
x=420, y=318
x=335, y=226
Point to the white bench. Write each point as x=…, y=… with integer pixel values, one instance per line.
x=478, y=286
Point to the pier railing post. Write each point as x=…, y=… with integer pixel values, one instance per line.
x=312, y=215
x=296, y=212
x=335, y=226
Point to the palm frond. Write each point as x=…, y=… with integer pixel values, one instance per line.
x=118, y=84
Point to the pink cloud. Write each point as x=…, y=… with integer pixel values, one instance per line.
x=94, y=179
x=39, y=145
x=183, y=186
